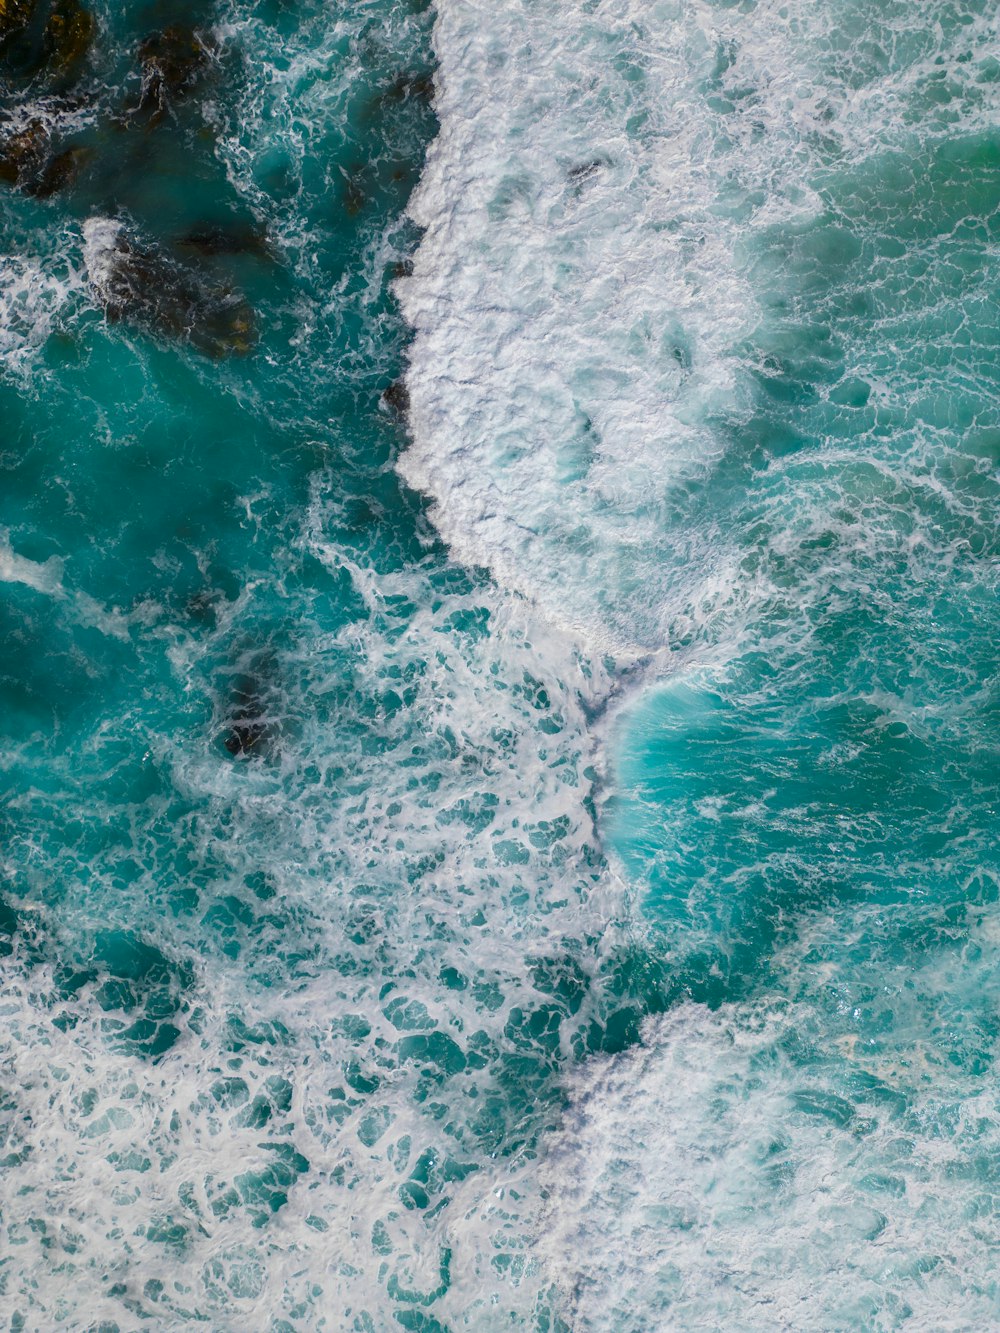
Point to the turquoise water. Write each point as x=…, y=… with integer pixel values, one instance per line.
x=514, y=850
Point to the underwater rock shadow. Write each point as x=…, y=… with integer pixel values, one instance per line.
x=252, y=720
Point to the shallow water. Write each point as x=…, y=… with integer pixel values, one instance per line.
x=519, y=857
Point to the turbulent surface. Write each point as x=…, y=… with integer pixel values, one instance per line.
x=298, y=848
x=705, y=364
x=584, y=921
x=630, y=210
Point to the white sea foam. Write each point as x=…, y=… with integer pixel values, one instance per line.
x=41, y=281
x=426, y=816
x=582, y=298
x=399, y=842
x=590, y=303
x=430, y=805
x=44, y=576
x=34, y=294
x=101, y=238
x=706, y=1178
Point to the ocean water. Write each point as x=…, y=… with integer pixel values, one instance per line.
x=499, y=573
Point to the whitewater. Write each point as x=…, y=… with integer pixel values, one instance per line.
x=498, y=557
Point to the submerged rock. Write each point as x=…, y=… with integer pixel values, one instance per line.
x=229, y=239
x=249, y=731
x=585, y=171
x=48, y=45
x=69, y=35
x=14, y=16
x=59, y=172
x=173, y=63
x=138, y=284
x=23, y=154
x=28, y=164
x=354, y=189
x=417, y=87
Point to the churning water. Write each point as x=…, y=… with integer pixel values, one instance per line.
x=501, y=725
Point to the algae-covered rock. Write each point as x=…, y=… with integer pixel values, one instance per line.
x=396, y=398
x=44, y=46
x=28, y=163
x=23, y=153
x=138, y=284
x=173, y=63
x=58, y=173
x=69, y=34
x=14, y=15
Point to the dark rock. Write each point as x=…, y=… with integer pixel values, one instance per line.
x=403, y=268
x=229, y=239
x=69, y=35
x=201, y=607
x=23, y=154
x=249, y=731
x=353, y=194
x=397, y=398
x=583, y=171
x=14, y=16
x=417, y=87
x=361, y=512
x=9, y=925
x=244, y=738
x=139, y=284
x=59, y=172
x=44, y=45
x=173, y=63
x=27, y=163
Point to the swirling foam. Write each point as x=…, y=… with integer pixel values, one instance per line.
x=585, y=295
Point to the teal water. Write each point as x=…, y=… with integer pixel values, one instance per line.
x=513, y=851
x=248, y=707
